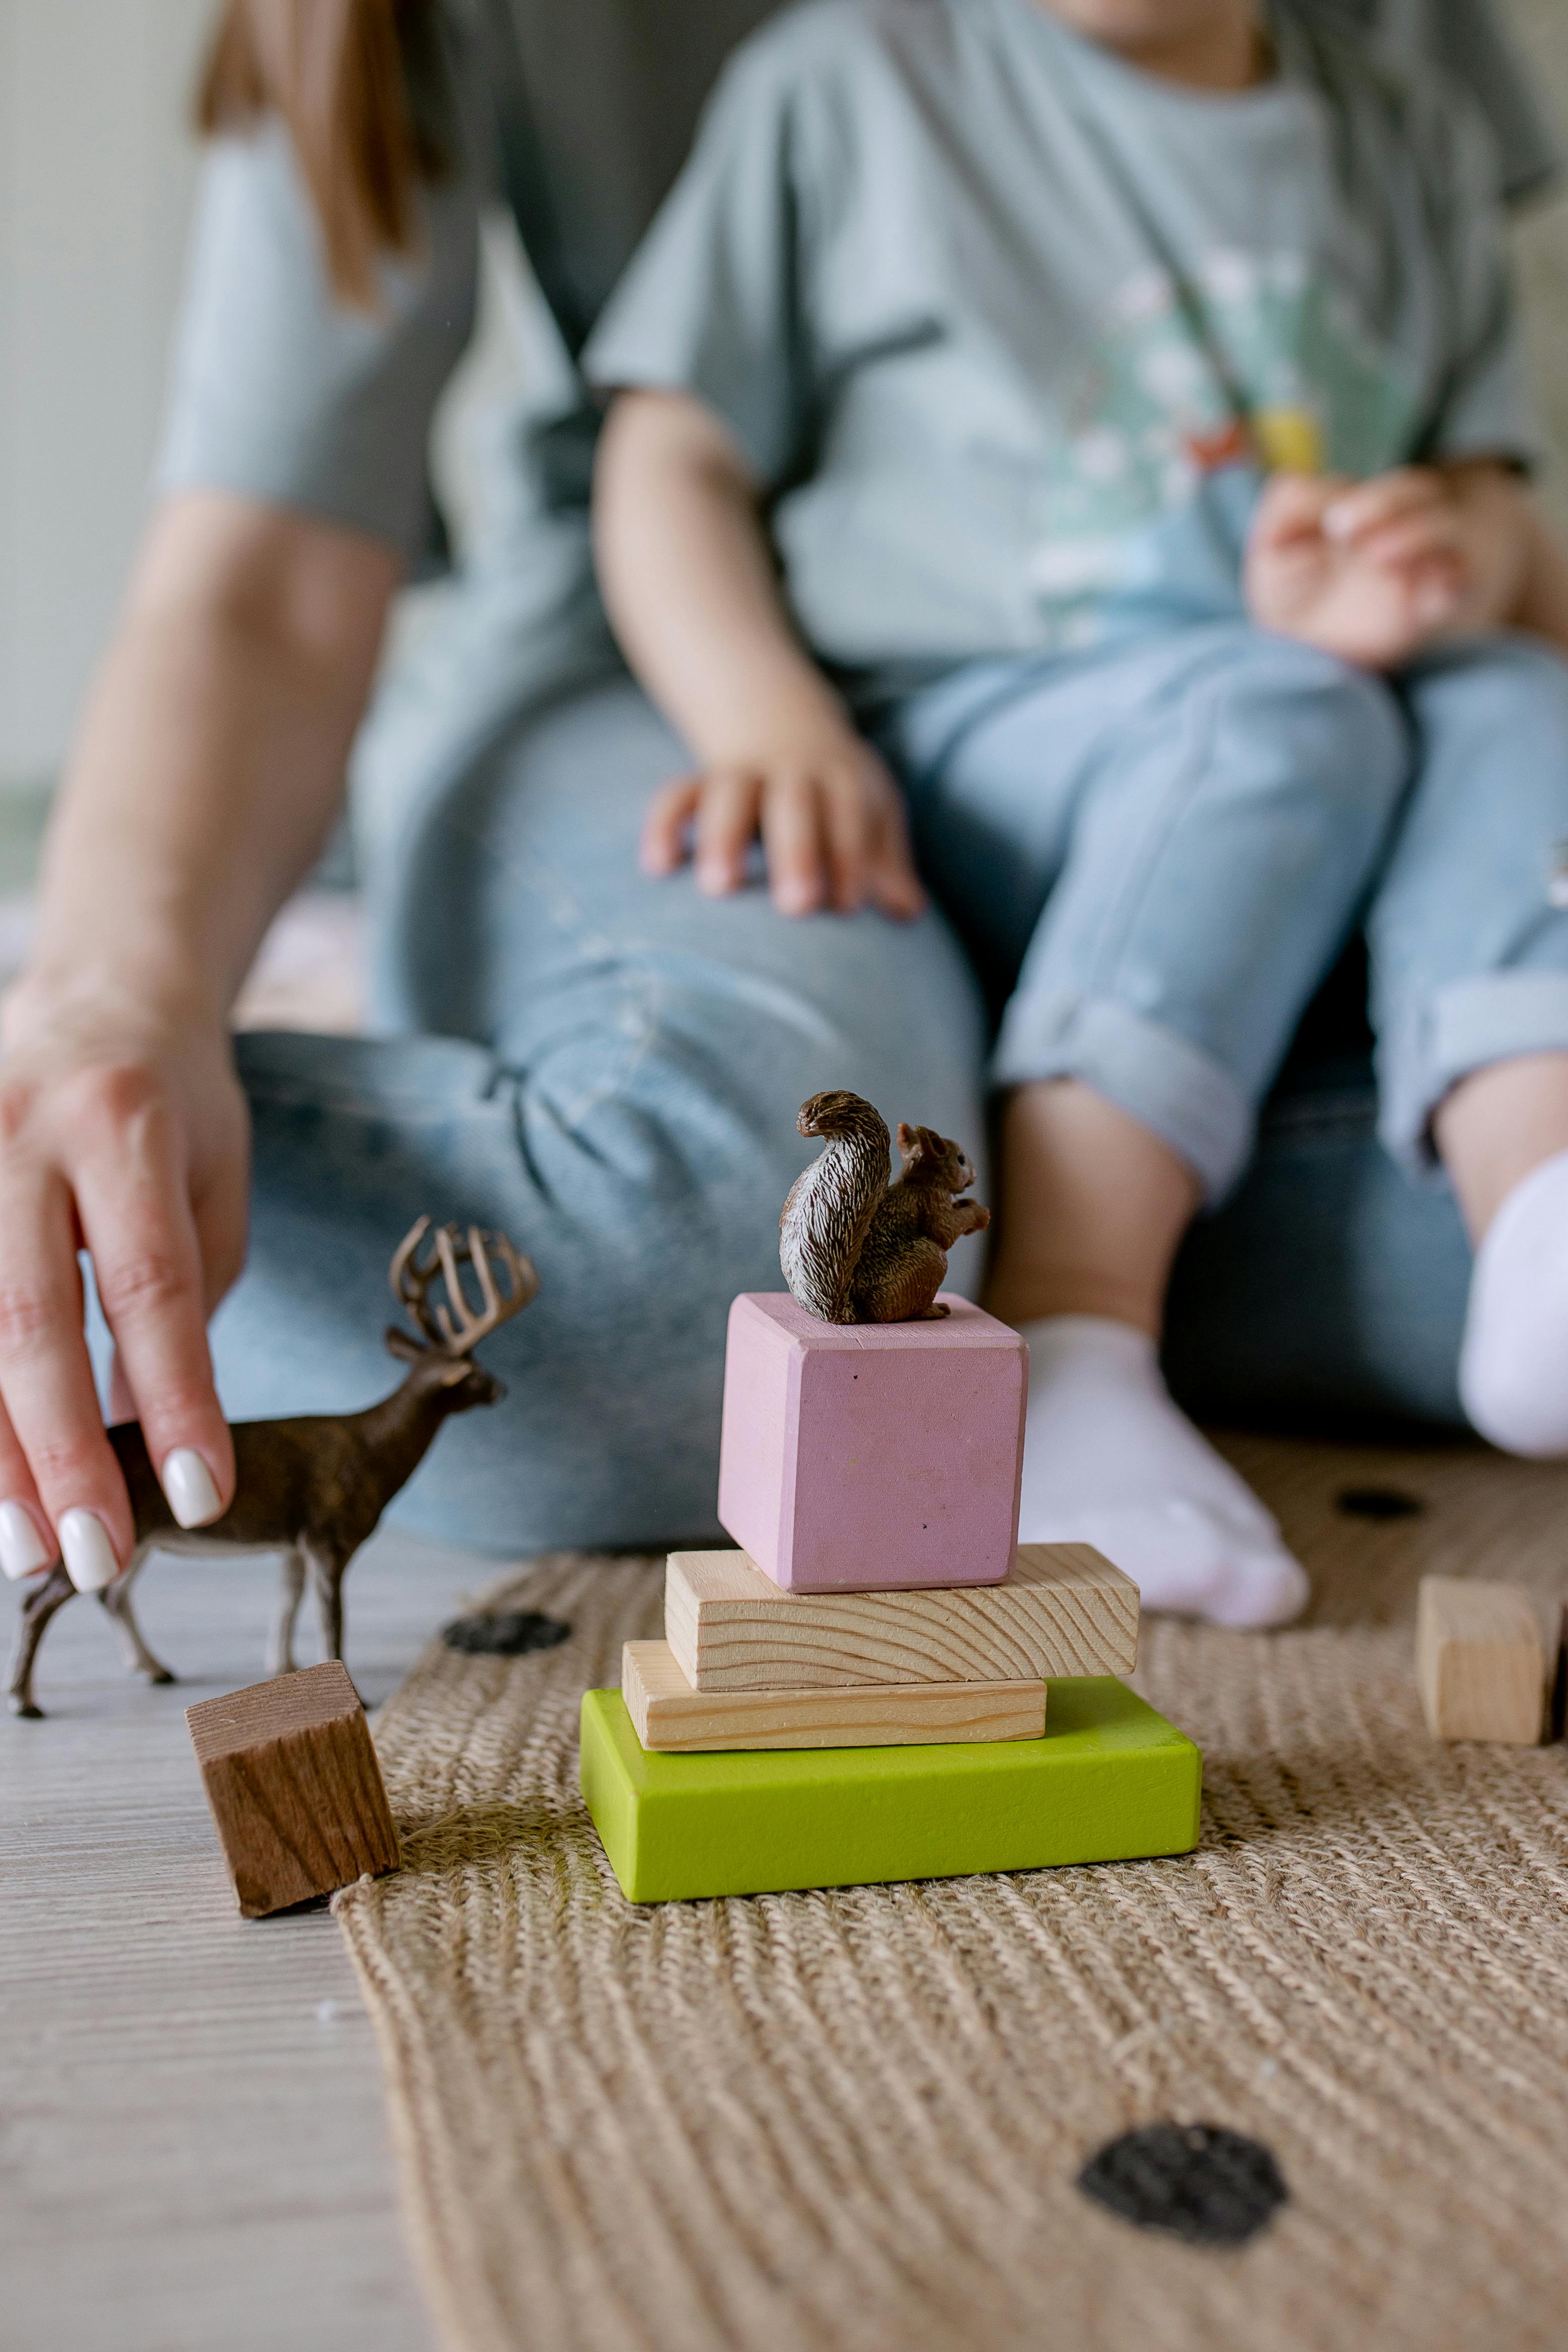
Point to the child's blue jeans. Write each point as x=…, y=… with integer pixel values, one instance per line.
x=1156, y=852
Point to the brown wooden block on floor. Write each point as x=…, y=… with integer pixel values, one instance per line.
x=1481, y=1662
x=291, y=1775
x=1064, y=1610
x=670, y=1717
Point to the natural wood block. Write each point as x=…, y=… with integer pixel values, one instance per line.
x=1110, y=1781
x=668, y=1715
x=1063, y=1610
x=295, y=1789
x=1481, y=1662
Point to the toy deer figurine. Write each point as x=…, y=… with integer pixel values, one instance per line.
x=313, y=1488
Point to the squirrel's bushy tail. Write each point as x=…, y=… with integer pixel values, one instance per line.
x=831, y=1206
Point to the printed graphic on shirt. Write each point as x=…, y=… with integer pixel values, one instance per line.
x=1149, y=418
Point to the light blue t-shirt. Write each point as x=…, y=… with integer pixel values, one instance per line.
x=1003, y=325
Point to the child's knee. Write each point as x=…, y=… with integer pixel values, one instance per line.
x=1328, y=736
x=1352, y=715
x=1498, y=688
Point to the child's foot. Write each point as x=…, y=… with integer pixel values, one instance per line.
x=1108, y=1461
x=1513, y=1367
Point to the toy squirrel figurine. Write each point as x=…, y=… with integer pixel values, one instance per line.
x=855, y=1248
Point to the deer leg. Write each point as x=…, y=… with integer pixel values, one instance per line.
x=327, y=1570
x=139, y=1658
x=280, y=1649
x=36, y=1609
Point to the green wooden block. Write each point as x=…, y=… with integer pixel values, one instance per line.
x=1111, y=1781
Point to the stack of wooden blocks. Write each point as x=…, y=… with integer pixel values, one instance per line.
x=881, y=1683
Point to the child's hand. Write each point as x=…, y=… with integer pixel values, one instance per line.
x=831, y=818
x=1372, y=571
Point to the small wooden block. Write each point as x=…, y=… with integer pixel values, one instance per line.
x=295, y=1789
x=1064, y=1610
x=1110, y=1781
x=668, y=1715
x=1480, y=1661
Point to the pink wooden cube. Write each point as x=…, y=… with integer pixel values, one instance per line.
x=859, y=1456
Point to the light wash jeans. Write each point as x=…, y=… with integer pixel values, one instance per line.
x=1155, y=853
x=609, y=1068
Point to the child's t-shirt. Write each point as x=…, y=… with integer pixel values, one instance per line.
x=1004, y=326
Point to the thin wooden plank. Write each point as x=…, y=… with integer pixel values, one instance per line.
x=671, y=1717
x=1064, y=1610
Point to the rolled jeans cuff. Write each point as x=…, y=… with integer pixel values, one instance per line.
x=1466, y=1026
x=1171, y=1085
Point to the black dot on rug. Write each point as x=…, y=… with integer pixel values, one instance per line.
x=1378, y=1503
x=1199, y=2182
x=505, y=1633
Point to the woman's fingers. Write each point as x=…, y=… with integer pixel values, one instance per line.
x=26, y=1539
x=664, y=844
x=792, y=838
x=725, y=828
x=137, y=1224
x=46, y=1383
x=220, y=1205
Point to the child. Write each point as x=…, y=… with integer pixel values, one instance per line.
x=1113, y=407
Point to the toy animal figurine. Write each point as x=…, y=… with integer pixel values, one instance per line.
x=313, y=1488
x=855, y=1248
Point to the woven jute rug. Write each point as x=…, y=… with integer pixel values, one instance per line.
x=852, y=2122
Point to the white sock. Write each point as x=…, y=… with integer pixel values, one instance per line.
x=1109, y=1460
x=1513, y=1366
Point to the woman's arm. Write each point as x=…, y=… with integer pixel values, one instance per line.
x=207, y=770
x=689, y=580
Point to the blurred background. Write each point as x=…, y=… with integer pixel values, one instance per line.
x=95, y=177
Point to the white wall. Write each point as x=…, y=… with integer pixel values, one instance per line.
x=95, y=176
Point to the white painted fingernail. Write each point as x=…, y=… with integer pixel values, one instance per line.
x=86, y=1551
x=188, y=1483
x=23, y=1551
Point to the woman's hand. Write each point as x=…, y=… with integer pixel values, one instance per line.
x=830, y=816
x=125, y=1135
x=1376, y=570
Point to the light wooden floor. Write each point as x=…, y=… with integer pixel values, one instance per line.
x=192, y=2146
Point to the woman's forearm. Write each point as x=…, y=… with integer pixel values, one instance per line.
x=689, y=580
x=207, y=768
x=209, y=761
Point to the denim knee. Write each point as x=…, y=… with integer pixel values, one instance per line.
x=1359, y=738
x=1216, y=863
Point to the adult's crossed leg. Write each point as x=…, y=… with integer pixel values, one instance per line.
x=608, y=1071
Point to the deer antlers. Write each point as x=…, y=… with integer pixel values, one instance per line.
x=455, y=1328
